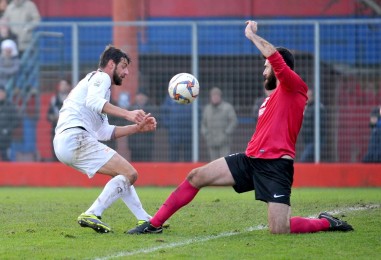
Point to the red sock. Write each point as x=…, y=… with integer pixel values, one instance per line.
x=184, y=194
x=308, y=225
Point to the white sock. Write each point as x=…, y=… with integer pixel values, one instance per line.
x=112, y=191
x=119, y=187
x=131, y=199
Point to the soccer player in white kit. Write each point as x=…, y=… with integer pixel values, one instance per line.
x=83, y=123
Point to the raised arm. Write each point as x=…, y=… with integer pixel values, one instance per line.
x=266, y=48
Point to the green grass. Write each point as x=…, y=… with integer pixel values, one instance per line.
x=40, y=223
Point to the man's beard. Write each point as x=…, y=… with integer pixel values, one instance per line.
x=270, y=82
x=117, y=80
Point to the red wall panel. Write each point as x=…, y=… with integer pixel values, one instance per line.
x=249, y=8
x=172, y=174
x=201, y=8
x=302, y=8
x=74, y=8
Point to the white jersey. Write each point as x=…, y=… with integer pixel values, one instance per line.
x=83, y=107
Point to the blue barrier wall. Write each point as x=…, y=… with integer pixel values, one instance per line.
x=344, y=43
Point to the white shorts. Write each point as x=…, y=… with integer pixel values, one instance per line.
x=76, y=148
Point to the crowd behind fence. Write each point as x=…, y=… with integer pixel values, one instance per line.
x=339, y=59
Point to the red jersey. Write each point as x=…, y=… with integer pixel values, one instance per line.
x=281, y=114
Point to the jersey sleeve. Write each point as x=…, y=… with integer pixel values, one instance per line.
x=287, y=77
x=99, y=85
x=105, y=132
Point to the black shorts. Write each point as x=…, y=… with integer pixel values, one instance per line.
x=270, y=178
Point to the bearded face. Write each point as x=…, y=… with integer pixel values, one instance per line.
x=120, y=72
x=116, y=78
x=270, y=81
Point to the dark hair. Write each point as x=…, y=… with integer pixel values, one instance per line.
x=287, y=56
x=112, y=53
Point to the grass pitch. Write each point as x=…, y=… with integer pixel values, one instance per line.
x=40, y=223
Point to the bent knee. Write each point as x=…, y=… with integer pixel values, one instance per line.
x=195, y=177
x=279, y=229
x=131, y=176
x=192, y=175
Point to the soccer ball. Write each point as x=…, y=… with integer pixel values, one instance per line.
x=183, y=88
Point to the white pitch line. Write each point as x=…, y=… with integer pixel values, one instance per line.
x=221, y=235
x=181, y=243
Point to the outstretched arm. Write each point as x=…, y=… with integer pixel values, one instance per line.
x=135, y=116
x=148, y=124
x=266, y=48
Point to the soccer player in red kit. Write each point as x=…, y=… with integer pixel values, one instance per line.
x=267, y=166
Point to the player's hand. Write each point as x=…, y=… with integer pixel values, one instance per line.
x=135, y=116
x=251, y=29
x=148, y=124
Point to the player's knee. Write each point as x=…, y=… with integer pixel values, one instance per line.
x=131, y=176
x=195, y=178
x=192, y=175
x=279, y=229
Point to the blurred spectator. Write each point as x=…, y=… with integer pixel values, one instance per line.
x=3, y=6
x=22, y=16
x=142, y=145
x=219, y=120
x=9, y=120
x=177, y=119
x=308, y=129
x=5, y=32
x=56, y=102
x=9, y=61
x=373, y=155
x=24, y=148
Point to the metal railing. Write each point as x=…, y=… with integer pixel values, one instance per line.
x=26, y=83
x=336, y=57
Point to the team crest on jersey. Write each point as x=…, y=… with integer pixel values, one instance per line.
x=98, y=82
